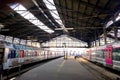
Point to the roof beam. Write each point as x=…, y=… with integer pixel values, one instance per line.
x=97, y=7
x=93, y=10
x=78, y=11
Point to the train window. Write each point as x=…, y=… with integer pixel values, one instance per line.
x=26, y=53
x=1, y=50
x=9, y=54
x=12, y=54
x=19, y=53
x=116, y=54
x=116, y=57
x=100, y=53
x=16, y=53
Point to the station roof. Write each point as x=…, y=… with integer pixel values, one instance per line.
x=82, y=19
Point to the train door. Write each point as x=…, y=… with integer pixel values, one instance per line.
x=89, y=54
x=108, y=56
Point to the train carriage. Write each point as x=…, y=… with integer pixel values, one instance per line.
x=116, y=55
x=100, y=58
x=107, y=55
x=14, y=55
x=8, y=55
x=92, y=54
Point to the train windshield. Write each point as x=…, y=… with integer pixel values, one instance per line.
x=116, y=54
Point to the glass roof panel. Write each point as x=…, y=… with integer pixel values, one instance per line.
x=29, y=16
x=113, y=34
x=65, y=40
x=35, y=22
x=49, y=31
x=118, y=17
x=51, y=6
x=118, y=30
x=109, y=23
x=43, y=27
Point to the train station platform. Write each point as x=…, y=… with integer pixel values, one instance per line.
x=59, y=69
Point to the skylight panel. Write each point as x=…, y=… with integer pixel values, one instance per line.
x=43, y=27
x=49, y=31
x=109, y=23
x=119, y=30
x=112, y=34
x=40, y=9
x=51, y=6
x=24, y=14
x=118, y=17
x=30, y=17
x=19, y=8
x=35, y=22
x=54, y=14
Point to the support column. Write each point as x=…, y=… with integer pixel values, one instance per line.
x=115, y=33
x=92, y=44
x=1, y=62
x=89, y=45
x=95, y=43
x=1, y=70
x=95, y=39
x=99, y=42
x=105, y=36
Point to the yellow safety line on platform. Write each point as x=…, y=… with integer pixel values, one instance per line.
x=61, y=65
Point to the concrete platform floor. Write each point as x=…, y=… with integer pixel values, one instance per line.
x=58, y=69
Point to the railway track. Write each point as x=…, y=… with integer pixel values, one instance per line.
x=98, y=72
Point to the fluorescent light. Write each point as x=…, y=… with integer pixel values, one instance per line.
x=63, y=28
x=51, y=6
x=30, y=17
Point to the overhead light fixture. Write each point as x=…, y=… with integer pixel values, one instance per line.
x=20, y=9
x=63, y=28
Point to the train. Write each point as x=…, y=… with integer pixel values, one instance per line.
x=108, y=55
x=14, y=55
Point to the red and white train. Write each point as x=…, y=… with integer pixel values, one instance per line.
x=107, y=55
x=13, y=55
